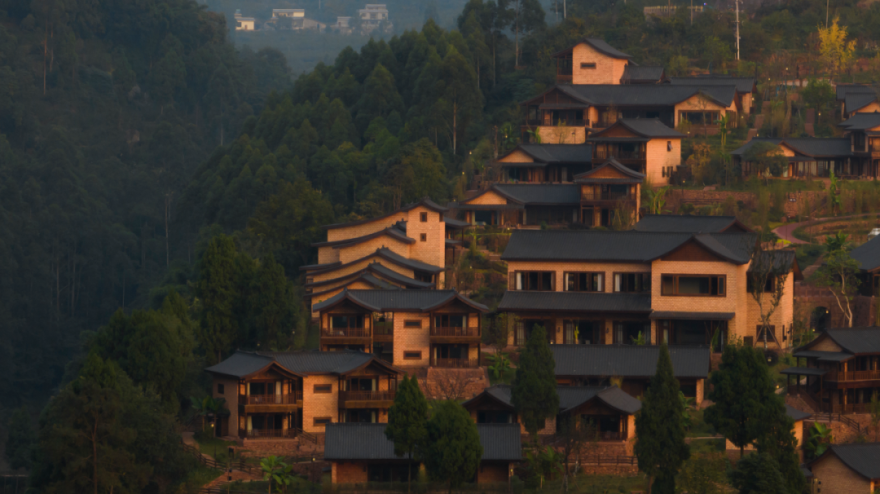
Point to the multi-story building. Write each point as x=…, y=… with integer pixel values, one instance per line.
x=243, y=23
x=621, y=287
x=856, y=98
x=283, y=395
x=809, y=158
x=405, y=249
x=440, y=328
x=846, y=469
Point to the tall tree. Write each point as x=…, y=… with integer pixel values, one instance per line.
x=661, y=449
x=217, y=292
x=20, y=439
x=380, y=98
x=407, y=422
x=461, y=92
x=776, y=437
x=534, y=390
x=453, y=448
x=839, y=274
x=757, y=474
x=737, y=399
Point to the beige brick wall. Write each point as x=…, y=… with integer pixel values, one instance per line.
x=326, y=255
x=837, y=478
x=489, y=197
x=698, y=102
x=364, y=229
x=516, y=156
x=492, y=473
x=608, y=70
x=357, y=266
x=230, y=394
x=348, y=472
x=363, y=249
x=411, y=339
x=433, y=249
x=747, y=103
x=658, y=156
x=561, y=134
x=781, y=318
x=872, y=108
x=320, y=404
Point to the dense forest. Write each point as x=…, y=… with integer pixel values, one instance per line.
x=159, y=189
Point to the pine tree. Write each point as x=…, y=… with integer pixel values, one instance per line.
x=534, y=390
x=453, y=448
x=737, y=400
x=775, y=438
x=407, y=422
x=217, y=293
x=661, y=449
x=20, y=440
x=274, y=303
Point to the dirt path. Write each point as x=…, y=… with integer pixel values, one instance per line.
x=786, y=232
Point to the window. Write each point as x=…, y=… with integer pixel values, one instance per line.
x=669, y=145
x=632, y=282
x=450, y=321
x=413, y=323
x=693, y=286
x=584, y=282
x=768, y=285
x=588, y=65
x=221, y=389
x=339, y=321
x=323, y=388
x=771, y=334
x=321, y=420
x=423, y=237
x=423, y=217
x=535, y=280
x=412, y=355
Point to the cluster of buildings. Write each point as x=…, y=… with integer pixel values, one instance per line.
x=369, y=19
x=380, y=294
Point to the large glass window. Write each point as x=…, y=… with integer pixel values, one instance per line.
x=584, y=282
x=535, y=280
x=347, y=321
x=693, y=286
x=579, y=332
x=632, y=282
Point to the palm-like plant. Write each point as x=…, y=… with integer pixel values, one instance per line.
x=499, y=365
x=277, y=472
x=209, y=407
x=820, y=438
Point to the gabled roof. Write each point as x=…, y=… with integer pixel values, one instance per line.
x=742, y=84
x=359, y=441
x=843, y=90
x=856, y=341
x=454, y=223
x=855, y=102
x=425, y=202
x=375, y=273
x=539, y=194
x=628, y=360
x=398, y=300
x=864, y=459
x=644, y=94
x=514, y=300
x=635, y=74
x=570, y=398
x=675, y=223
x=812, y=147
x=630, y=176
x=783, y=261
x=391, y=232
x=648, y=128
x=599, y=45
x=624, y=246
x=384, y=253
x=796, y=414
x=556, y=153
x=861, y=121
x=868, y=254
x=242, y=364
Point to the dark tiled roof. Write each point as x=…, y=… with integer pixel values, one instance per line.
x=868, y=254
x=824, y=356
x=376, y=282
x=626, y=246
x=396, y=277
x=454, y=223
x=822, y=147
x=673, y=223
x=650, y=127
x=410, y=263
x=394, y=232
x=646, y=73
x=541, y=194
x=796, y=414
x=864, y=459
x=500, y=442
x=782, y=260
x=628, y=360
x=857, y=340
x=743, y=84
x=398, y=300
x=845, y=89
x=803, y=371
x=600, y=45
x=645, y=94
x=559, y=153
x=861, y=121
x=571, y=397
x=587, y=177
x=855, y=102
x=242, y=364
x=575, y=301
x=426, y=202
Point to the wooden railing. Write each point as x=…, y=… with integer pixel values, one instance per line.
x=270, y=399
x=836, y=417
x=346, y=333
x=366, y=395
x=455, y=331
x=607, y=196
x=455, y=363
x=853, y=376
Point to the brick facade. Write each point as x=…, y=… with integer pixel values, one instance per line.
x=492, y=472
x=319, y=404
x=658, y=157
x=230, y=394
x=607, y=70
x=348, y=472
x=698, y=102
x=837, y=478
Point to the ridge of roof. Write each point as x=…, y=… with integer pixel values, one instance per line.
x=864, y=459
x=392, y=231
x=687, y=223
x=861, y=121
x=426, y=202
x=538, y=194
x=613, y=163
x=648, y=127
x=645, y=94
x=600, y=45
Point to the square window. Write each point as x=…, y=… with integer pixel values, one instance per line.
x=412, y=355
x=423, y=237
x=423, y=217
x=221, y=389
x=321, y=420
x=669, y=145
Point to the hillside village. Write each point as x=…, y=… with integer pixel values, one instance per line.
x=373, y=17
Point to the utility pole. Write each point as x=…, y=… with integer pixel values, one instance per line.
x=563, y=10
x=737, y=29
x=827, y=3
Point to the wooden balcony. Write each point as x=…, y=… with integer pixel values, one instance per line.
x=455, y=335
x=455, y=363
x=383, y=331
x=607, y=196
x=346, y=336
x=270, y=399
x=852, y=376
x=366, y=399
x=270, y=433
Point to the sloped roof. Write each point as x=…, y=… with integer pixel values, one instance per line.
x=855, y=102
x=861, y=121
x=454, y=223
x=650, y=127
x=624, y=246
x=382, y=252
x=242, y=364
x=599, y=45
x=796, y=414
x=742, y=84
x=426, y=202
x=675, y=223
x=396, y=277
x=868, y=254
x=570, y=397
x=377, y=282
x=844, y=89
x=647, y=73
x=359, y=441
x=540, y=194
x=398, y=300
x=393, y=232
x=781, y=259
x=575, y=301
x=374, y=273
x=558, y=153
x=645, y=94
x=814, y=147
x=856, y=340
x=628, y=360
x=863, y=459
x=589, y=176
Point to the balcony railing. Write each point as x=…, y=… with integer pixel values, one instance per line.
x=367, y=395
x=271, y=433
x=438, y=331
x=270, y=399
x=346, y=333
x=853, y=376
x=620, y=155
x=455, y=363
x=607, y=196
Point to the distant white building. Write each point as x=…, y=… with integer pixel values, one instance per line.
x=288, y=13
x=243, y=23
x=343, y=25
x=372, y=16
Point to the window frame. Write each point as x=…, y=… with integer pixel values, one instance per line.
x=646, y=275
x=412, y=355
x=423, y=217
x=721, y=288
x=520, y=281
x=412, y=323
x=588, y=65
x=321, y=421
x=350, y=316
x=319, y=389
x=221, y=389
x=423, y=237
x=566, y=276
